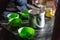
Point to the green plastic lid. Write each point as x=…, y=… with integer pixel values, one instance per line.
x=12, y=15
x=26, y=32
x=15, y=22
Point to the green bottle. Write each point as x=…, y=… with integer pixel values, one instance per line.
x=26, y=32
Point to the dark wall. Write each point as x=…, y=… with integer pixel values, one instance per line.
x=56, y=31
x=3, y=4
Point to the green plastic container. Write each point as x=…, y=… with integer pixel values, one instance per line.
x=14, y=19
x=26, y=32
x=24, y=13
x=15, y=22
x=12, y=15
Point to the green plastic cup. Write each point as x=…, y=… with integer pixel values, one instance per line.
x=15, y=22
x=24, y=13
x=14, y=19
x=12, y=15
x=26, y=32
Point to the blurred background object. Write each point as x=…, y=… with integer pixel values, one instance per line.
x=37, y=8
